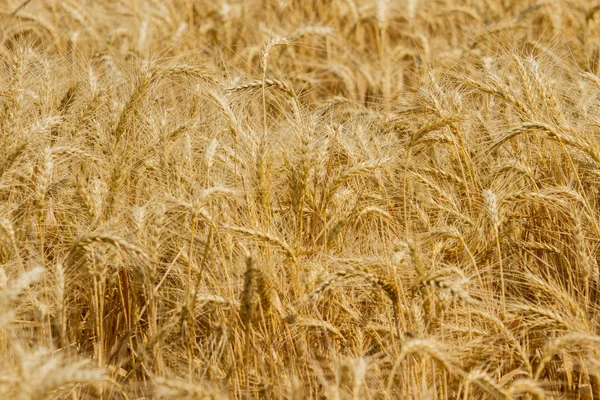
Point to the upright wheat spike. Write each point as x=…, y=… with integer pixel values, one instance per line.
x=265, y=50
x=246, y=308
x=493, y=208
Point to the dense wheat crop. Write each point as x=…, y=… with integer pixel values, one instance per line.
x=299, y=199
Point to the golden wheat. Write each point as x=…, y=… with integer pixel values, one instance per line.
x=346, y=199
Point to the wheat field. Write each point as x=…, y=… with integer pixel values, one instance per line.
x=299, y=199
